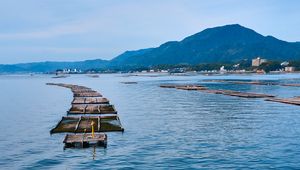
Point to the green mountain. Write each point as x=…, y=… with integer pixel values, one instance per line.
x=229, y=43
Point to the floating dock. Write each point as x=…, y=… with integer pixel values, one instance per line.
x=266, y=83
x=129, y=82
x=92, y=109
x=291, y=85
x=90, y=100
x=87, y=94
x=191, y=87
x=268, y=97
x=224, y=92
x=239, y=94
x=293, y=101
x=83, y=124
x=184, y=87
x=85, y=140
x=99, y=116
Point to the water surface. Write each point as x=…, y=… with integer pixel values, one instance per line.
x=164, y=128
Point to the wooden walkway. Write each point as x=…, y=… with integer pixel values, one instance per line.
x=266, y=83
x=92, y=109
x=293, y=101
x=184, y=87
x=87, y=102
x=239, y=94
x=90, y=100
x=83, y=124
x=223, y=92
x=85, y=140
x=268, y=97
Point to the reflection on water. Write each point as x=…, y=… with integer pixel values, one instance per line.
x=164, y=128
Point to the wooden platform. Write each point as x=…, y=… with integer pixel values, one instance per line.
x=90, y=100
x=83, y=90
x=85, y=140
x=87, y=94
x=184, y=86
x=129, y=82
x=291, y=85
x=87, y=101
x=193, y=87
x=83, y=124
x=293, y=101
x=243, y=82
x=239, y=94
x=224, y=92
x=92, y=109
x=266, y=83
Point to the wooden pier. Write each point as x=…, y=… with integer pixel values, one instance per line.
x=99, y=116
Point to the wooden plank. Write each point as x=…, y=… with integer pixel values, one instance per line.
x=67, y=124
x=239, y=94
x=92, y=109
x=70, y=124
x=293, y=101
x=85, y=140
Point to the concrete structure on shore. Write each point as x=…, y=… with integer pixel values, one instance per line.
x=258, y=61
x=289, y=69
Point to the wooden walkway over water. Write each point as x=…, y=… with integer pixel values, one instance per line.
x=95, y=116
x=268, y=97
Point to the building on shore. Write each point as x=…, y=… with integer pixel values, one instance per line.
x=289, y=69
x=223, y=70
x=258, y=61
x=285, y=63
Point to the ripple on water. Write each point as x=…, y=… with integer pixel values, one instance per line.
x=164, y=128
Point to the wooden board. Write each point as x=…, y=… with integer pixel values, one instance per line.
x=293, y=101
x=85, y=140
x=92, y=109
x=83, y=124
x=239, y=94
x=90, y=100
x=87, y=94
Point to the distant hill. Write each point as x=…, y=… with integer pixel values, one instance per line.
x=52, y=66
x=229, y=43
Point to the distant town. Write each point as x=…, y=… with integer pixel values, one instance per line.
x=257, y=65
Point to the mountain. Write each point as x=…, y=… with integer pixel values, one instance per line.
x=229, y=43
x=52, y=66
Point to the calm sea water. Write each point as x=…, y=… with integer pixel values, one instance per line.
x=164, y=128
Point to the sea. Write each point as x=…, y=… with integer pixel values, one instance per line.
x=164, y=128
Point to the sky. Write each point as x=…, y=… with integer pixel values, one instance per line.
x=74, y=30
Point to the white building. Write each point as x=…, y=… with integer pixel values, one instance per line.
x=223, y=70
x=258, y=61
x=289, y=69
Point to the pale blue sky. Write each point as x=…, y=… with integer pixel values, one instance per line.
x=66, y=30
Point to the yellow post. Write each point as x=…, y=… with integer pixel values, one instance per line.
x=93, y=132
